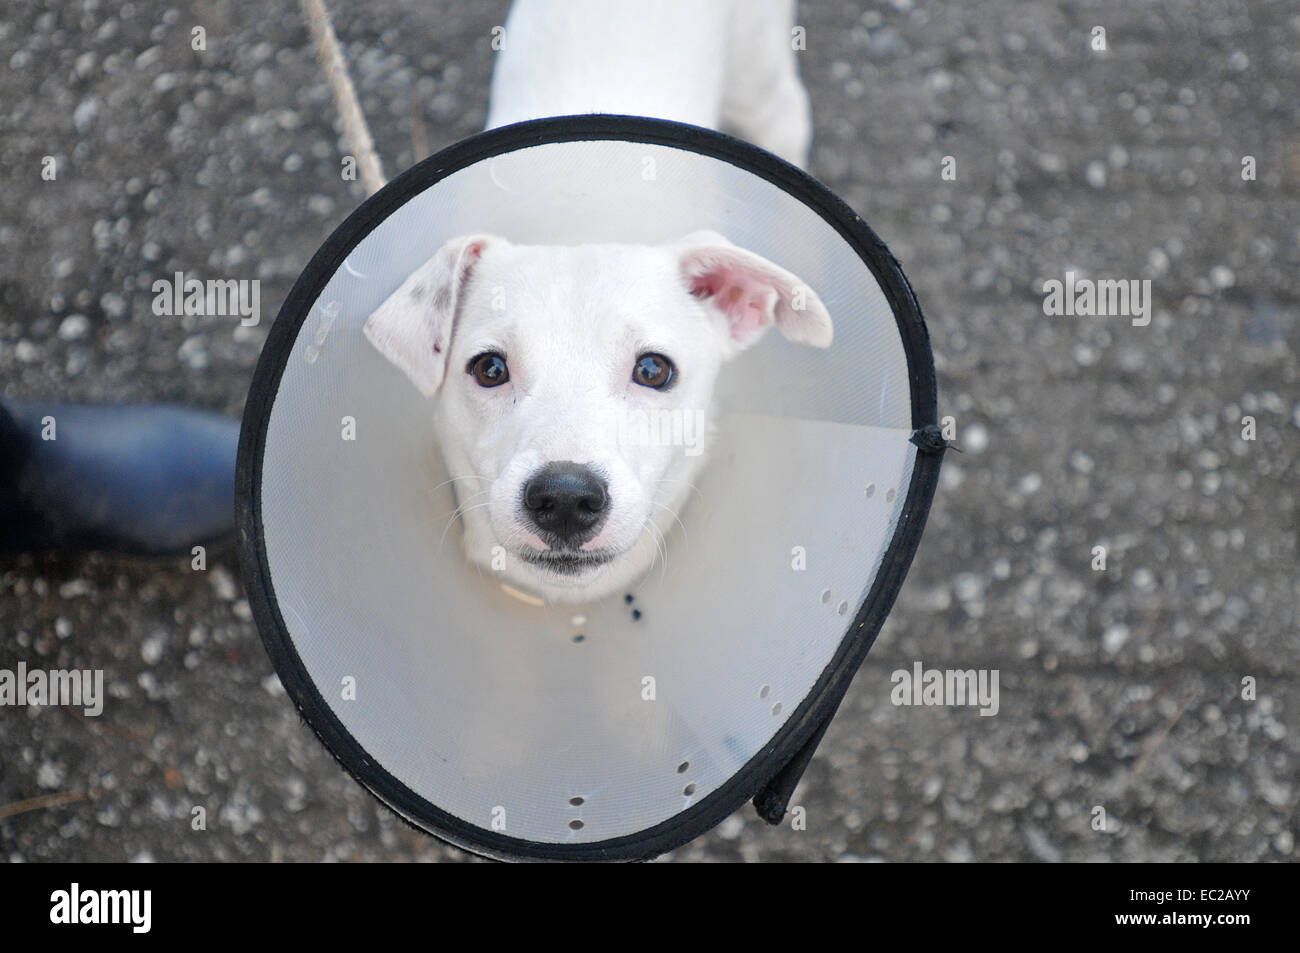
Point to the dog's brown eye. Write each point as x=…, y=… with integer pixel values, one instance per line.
x=489, y=369
x=653, y=370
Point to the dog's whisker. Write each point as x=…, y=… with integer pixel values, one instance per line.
x=458, y=513
x=471, y=497
x=673, y=513
x=466, y=476
x=691, y=487
x=474, y=496
x=469, y=476
x=460, y=509
x=662, y=546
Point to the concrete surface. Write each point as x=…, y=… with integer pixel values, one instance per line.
x=1120, y=689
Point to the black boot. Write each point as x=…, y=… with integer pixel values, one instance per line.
x=140, y=480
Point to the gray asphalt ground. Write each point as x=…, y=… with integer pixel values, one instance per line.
x=1119, y=689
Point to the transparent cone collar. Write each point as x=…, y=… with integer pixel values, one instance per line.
x=623, y=727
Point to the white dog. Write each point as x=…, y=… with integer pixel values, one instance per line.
x=574, y=419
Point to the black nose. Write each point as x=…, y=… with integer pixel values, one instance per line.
x=566, y=500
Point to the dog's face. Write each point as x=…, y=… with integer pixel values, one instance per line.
x=572, y=389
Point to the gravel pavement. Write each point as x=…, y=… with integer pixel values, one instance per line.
x=1120, y=689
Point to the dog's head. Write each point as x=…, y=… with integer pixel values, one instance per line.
x=572, y=388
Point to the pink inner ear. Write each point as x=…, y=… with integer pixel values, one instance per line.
x=744, y=299
x=471, y=254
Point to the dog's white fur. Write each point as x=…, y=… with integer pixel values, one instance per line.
x=572, y=321
x=724, y=64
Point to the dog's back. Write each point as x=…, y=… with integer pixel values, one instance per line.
x=723, y=64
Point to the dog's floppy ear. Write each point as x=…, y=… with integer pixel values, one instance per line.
x=413, y=327
x=751, y=293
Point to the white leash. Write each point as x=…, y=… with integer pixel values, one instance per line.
x=355, y=131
